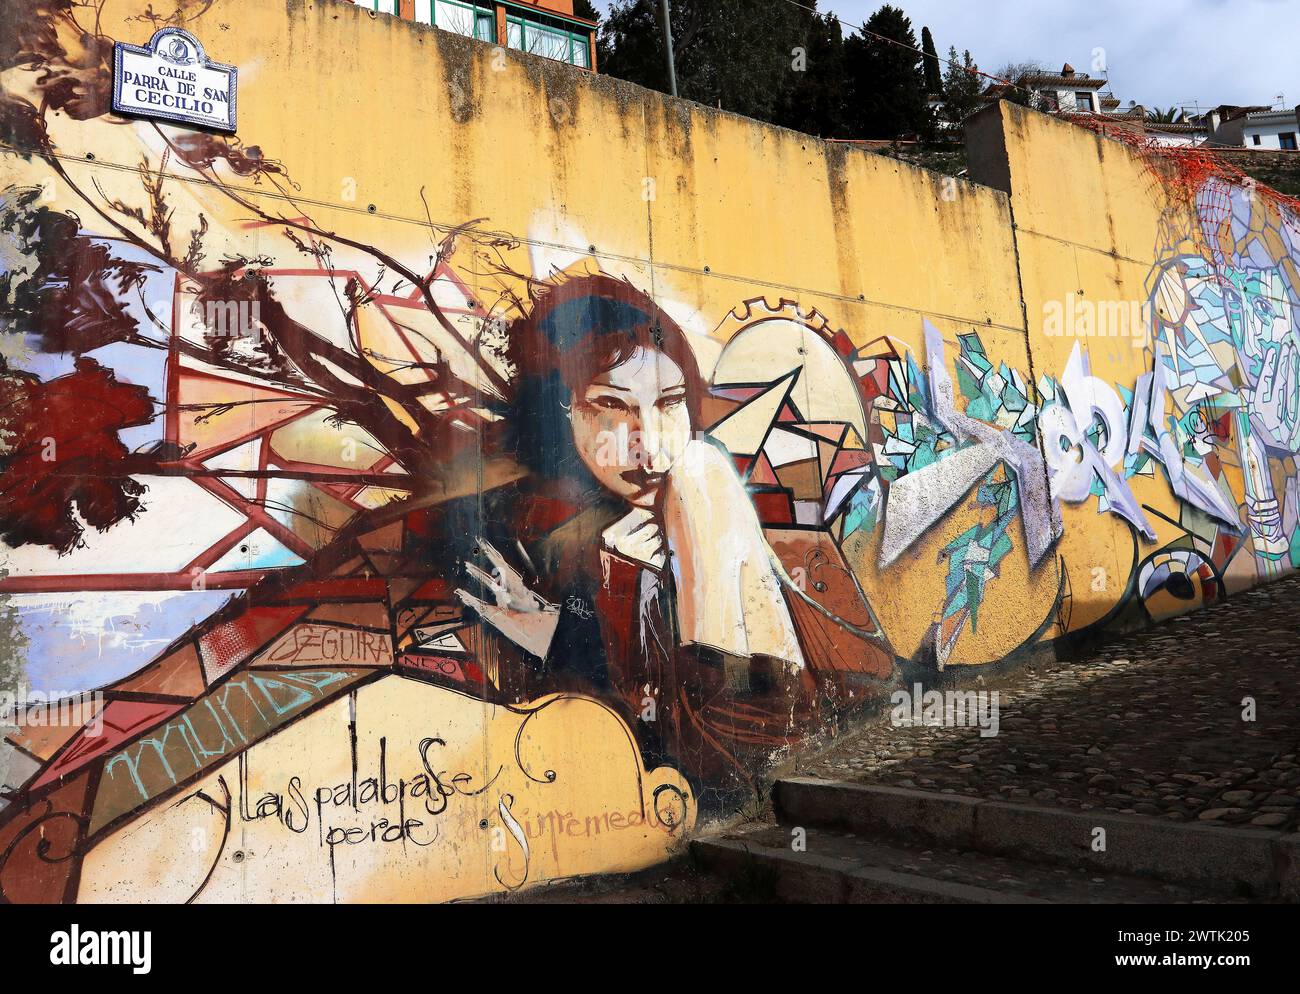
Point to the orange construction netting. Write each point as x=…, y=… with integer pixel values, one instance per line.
x=1187, y=168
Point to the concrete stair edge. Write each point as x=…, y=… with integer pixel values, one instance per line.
x=808, y=878
x=1234, y=862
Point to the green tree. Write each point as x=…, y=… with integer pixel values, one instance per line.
x=963, y=87
x=885, y=81
x=933, y=78
x=737, y=54
x=815, y=103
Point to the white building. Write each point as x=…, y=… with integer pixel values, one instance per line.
x=1067, y=91
x=1271, y=129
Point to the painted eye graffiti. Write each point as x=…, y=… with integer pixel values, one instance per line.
x=609, y=404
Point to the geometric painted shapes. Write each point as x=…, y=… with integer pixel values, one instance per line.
x=714, y=408
x=808, y=513
x=389, y=538
x=439, y=618
x=179, y=675
x=735, y=395
x=873, y=376
x=117, y=722
x=256, y=551
x=826, y=452
x=761, y=473
x=766, y=344
x=43, y=733
x=318, y=439
x=1040, y=516
x=850, y=460
x=919, y=499
x=841, y=489
x=372, y=497
x=1148, y=433
x=244, y=458
x=412, y=588
x=774, y=507
x=803, y=479
x=366, y=614
x=39, y=854
x=783, y=447
x=831, y=431
x=229, y=643
x=216, y=425
x=397, y=333
x=388, y=564
x=307, y=511
x=383, y=549
x=434, y=641
x=743, y=431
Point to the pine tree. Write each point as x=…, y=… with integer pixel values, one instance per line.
x=933, y=79
x=963, y=88
x=816, y=102
x=885, y=80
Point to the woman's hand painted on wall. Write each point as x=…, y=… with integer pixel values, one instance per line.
x=522, y=616
x=638, y=537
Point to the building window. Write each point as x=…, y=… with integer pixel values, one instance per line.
x=1045, y=100
x=1255, y=139
x=459, y=17
x=1083, y=101
x=550, y=38
x=1287, y=140
x=380, y=6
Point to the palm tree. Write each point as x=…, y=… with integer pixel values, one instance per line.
x=1167, y=115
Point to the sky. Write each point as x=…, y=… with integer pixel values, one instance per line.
x=1157, y=52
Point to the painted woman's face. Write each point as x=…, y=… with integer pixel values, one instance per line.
x=631, y=425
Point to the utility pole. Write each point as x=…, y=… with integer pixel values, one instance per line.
x=668, y=47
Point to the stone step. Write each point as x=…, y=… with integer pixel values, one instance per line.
x=836, y=867
x=1210, y=861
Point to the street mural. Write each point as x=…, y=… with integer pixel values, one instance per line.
x=387, y=567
